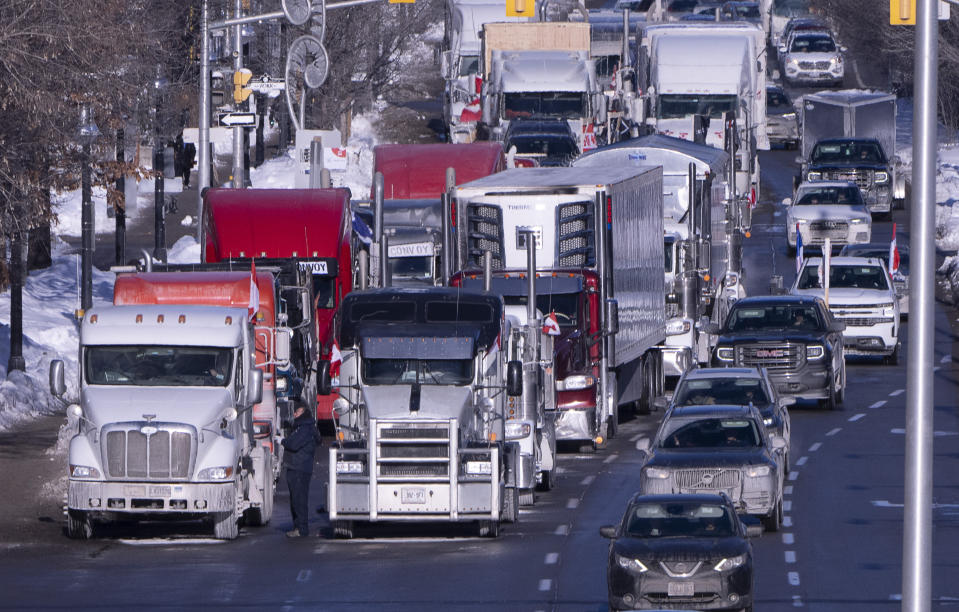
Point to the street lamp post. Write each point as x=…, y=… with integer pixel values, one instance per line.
x=159, y=222
x=87, y=135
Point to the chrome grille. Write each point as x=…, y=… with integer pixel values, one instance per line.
x=783, y=356
x=711, y=479
x=864, y=321
x=485, y=233
x=414, y=450
x=166, y=454
x=575, y=234
x=834, y=230
x=862, y=178
x=820, y=65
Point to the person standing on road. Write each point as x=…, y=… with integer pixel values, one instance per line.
x=300, y=447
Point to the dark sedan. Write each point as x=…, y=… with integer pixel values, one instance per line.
x=679, y=552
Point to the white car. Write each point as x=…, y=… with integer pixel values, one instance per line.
x=862, y=296
x=827, y=209
x=813, y=57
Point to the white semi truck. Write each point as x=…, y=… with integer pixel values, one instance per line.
x=697, y=75
x=166, y=418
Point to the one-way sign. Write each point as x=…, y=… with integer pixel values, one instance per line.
x=237, y=119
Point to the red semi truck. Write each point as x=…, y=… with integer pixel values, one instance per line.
x=310, y=227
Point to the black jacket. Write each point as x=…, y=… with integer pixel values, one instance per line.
x=301, y=444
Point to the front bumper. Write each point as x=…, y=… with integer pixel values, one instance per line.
x=878, y=198
x=576, y=424
x=782, y=131
x=809, y=382
x=798, y=74
x=676, y=360
x=158, y=498
x=859, y=233
x=712, y=590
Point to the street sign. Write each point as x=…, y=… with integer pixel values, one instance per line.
x=237, y=119
x=266, y=86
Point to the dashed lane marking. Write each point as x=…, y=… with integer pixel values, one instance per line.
x=833, y=432
x=588, y=480
x=787, y=521
x=793, y=475
x=790, y=556
x=636, y=437
x=802, y=460
x=815, y=446
x=545, y=584
x=788, y=490
x=938, y=434
x=789, y=539
x=787, y=506
x=936, y=369
x=611, y=458
x=562, y=530
x=304, y=575
x=946, y=359
x=856, y=417
x=551, y=558
x=793, y=578
x=878, y=404
x=897, y=392
x=572, y=503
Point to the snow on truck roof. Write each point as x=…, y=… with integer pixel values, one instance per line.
x=275, y=223
x=168, y=325
x=419, y=171
x=538, y=178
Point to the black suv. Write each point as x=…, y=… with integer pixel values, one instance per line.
x=794, y=337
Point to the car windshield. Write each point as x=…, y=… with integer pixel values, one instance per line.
x=564, y=305
x=564, y=104
x=775, y=99
x=881, y=253
x=677, y=6
x=724, y=390
x=548, y=145
x=786, y=8
x=845, y=277
x=813, y=44
x=743, y=12
x=424, y=371
x=832, y=152
x=745, y=318
x=843, y=195
x=711, y=433
x=680, y=106
x=688, y=519
x=158, y=366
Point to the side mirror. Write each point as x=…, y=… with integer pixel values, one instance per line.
x=782, y=49
x=281, y=352
x=612, y=316
x=446, y=63
x=254, y=388
x=777, y=442
x=787, y=201
x=843, y=49
x=660, y=402
x=608, y=531
x=711, y=328
x=57, y=385
x=514, y=378
x=644, y=444
x=799, y=160
x=837, y=326
x=324, y=384
x=787, y=401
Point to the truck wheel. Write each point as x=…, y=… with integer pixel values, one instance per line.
x=512, y=500
x=226, y=525
x=488, y=529
x=79, y=525
x=547, y=480
x=343, y=530
x=830, y=403
x=260, y=517
x=526, y=497
x=612, y=425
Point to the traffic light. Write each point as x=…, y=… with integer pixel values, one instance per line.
x=902, y=12
x=520, y=8
x=240, y=79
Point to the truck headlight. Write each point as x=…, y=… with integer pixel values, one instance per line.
x=517, y=429
x=725, y=353
x=678, y=326
x=814, y=176
x=216, y=473
x=882, y=177
x=628, y=563
x=575, y=383
x=815, y=351
x=789, y=116
x=757, y=471
x=657, y=473
x=349, y=467
x=84, y=471
x=479, y=468
x=730, y=563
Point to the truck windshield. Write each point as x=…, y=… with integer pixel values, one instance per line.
x=425, y=371
x=324, y=292
x=848, y=152
x=845, y=277
x=158, y=366
x=678, y=106
x=418, y=268
x=469, y=64
x=668, y=247
x=565, y=305
x=692, y=519
x=845, y=196
x=562, y=104
x=773, y=317
x=711, y=433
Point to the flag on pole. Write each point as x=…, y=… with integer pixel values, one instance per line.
x=893, y=253
x=336, y=359
x=551, y=325
x=254, y=304
x=799, y=255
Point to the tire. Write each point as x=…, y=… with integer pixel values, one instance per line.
x=260, y=517
x=841, y=394
x=893, y=358
x=772, y=522
x=525, y=498
x=512, y=500
x=343, y=530
x=487, y=529
x=547, y=480
x=226, y=525
x=612, y=425
x=831, y=402
x=79, y=525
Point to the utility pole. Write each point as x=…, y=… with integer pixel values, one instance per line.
x=88, y=134
x=120, y=210
x=239, y=177
x=159, y=221
x=16, y=361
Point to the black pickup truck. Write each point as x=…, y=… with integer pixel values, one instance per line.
x=858, y=160
x=794, y=337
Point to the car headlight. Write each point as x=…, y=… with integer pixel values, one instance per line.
x=882, y=177
x=789, y=116
x=725, y=353
x=349, y=467
x=655, y=472
x=216, y=473
x=678, y=326
x=730, y=563
x=768, y=421
x=83, y=471
x=629, y=563
x=479, y=468
x=575, y=383
x=814, y=176
x=857, y=221
x=757, y=471
x=792, y=61
x=815, y=351
x=517, y=429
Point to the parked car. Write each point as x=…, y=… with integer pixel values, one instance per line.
x=813, y=58
x=781, y=123
x=900, y=278
x=827, y=209
x=794, y=337
x=717, y=449
x=858, y=160
x=861, y=295
x=805, y=23
x=739, y=10
x=549, y=142
x=679, y=551
x=737, y=386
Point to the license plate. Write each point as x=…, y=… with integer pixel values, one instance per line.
x=413, y=495
x=156, y=491
x=680, y=589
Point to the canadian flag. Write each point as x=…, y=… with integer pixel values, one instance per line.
x=893, y=253
x=589, y=137
x=551, y=325
x=336, y=359
x=254, y=304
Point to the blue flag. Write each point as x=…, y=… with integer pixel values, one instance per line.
x=362, y=230
x=799, y=256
